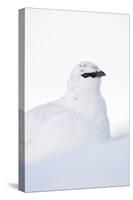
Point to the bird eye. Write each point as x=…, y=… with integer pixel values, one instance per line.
x=93, y=74
x=80, y=65
x=84, y=65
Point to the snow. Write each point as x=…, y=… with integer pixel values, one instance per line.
x=93, y=165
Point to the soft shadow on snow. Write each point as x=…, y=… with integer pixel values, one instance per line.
x=92, y=165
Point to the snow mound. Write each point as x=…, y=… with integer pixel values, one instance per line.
x=93, y=165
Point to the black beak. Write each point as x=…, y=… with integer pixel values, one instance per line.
x=100, y=74
x=93, y=74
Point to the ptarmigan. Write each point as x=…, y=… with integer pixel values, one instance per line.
x=80, y=117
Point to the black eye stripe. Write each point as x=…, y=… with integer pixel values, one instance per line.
x=92, y=74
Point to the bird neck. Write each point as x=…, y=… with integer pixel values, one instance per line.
x=81, y=99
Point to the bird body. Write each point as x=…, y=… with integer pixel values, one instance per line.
x=80, y=117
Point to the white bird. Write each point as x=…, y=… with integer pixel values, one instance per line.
x=80, y=117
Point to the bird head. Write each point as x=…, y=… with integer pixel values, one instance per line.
x=86, y=76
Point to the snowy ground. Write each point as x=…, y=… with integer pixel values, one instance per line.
x=97, y=165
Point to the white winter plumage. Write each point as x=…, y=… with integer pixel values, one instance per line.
x=80, y=117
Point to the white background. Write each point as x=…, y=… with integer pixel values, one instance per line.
x=9, y=98
x=61, y=39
